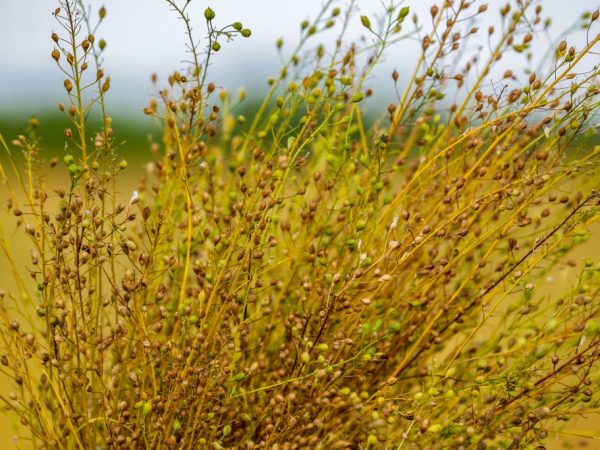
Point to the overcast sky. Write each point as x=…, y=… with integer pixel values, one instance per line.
x=144, y=36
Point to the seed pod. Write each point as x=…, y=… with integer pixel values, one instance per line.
x=209, y=14
x=133, y=378
x=562, y=46
x=106, y=85
x=365, y=22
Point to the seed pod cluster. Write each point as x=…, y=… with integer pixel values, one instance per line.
x=290, y=278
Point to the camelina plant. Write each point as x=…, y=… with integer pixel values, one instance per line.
x=301, y=277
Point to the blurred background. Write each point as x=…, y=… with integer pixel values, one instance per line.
x=145, y=37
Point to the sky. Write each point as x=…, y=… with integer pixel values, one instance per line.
x=144, y=36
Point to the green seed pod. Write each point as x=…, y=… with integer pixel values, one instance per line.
x=436, y=428
x=322, y=347
x=238, y=376
x=209, y=14
x=403, y=13
x=146, y=408
x=358, y=97
x=395, y=327
x=365, y=21
x=75, y=170
x=592, y=328
x=246, y=32
x=216, y=46
x=238, y=26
